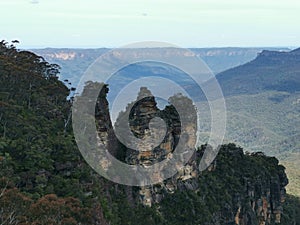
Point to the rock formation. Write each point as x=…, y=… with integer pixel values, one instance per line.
x=255, y=183
x=140, y=116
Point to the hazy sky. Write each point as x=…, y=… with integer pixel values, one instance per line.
x=187, y=23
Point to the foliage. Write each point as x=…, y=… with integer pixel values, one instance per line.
x=40, y=163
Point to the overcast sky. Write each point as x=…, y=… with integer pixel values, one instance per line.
x=187, y=23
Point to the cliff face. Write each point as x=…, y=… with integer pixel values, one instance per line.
x=255, y=184
x=140, y=116
x=238, y=188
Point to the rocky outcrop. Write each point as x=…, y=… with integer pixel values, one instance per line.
x=140, y=116
x=264, y=202
x=254, y=184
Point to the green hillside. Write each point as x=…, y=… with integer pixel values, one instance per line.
x=263, y=105
x=262, y=123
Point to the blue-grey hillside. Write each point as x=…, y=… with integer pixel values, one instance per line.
x=271, y=70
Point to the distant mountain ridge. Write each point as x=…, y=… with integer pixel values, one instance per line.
x=270, y=70
x=74, y=62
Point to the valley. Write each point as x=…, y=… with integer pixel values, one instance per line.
x=261, y=89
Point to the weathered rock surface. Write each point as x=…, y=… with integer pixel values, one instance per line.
x=140, y=116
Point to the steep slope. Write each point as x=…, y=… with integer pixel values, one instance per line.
x=43, y=178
